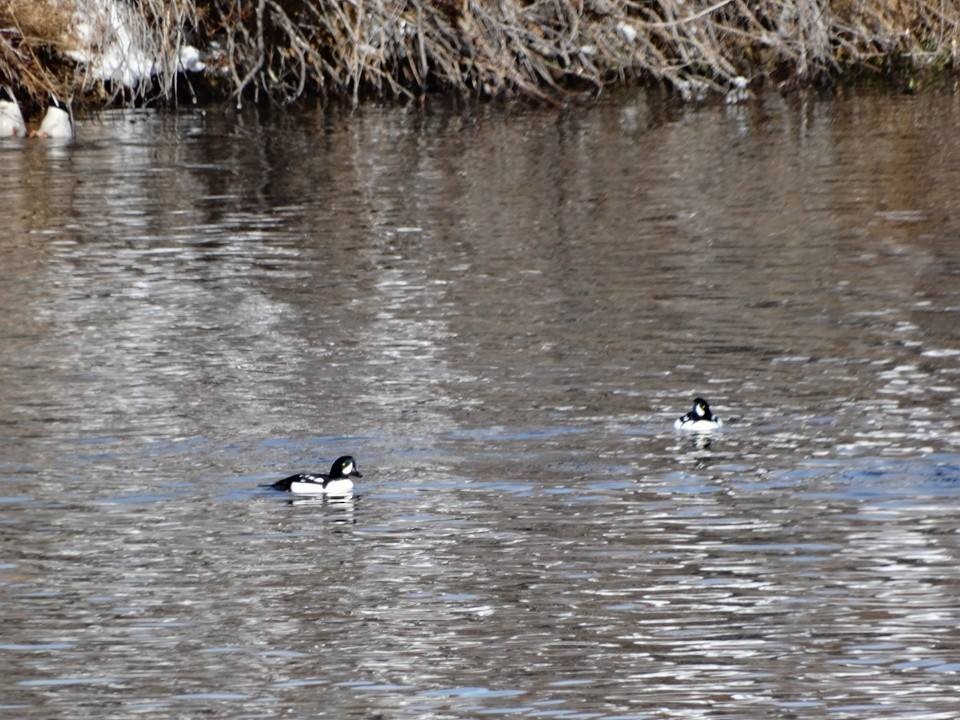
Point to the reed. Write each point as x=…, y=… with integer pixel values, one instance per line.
x=552, y=50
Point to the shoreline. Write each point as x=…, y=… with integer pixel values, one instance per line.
x=108, y=53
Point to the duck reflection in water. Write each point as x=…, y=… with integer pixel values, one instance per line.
x=339, y=511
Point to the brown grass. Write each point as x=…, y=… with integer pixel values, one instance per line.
x=546, y=49
x=31, y=35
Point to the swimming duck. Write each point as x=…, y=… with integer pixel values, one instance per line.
x=57, y=123
x=699, y=419
x=336, y=484
x=11, y=119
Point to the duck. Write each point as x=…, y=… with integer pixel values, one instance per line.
x=336, y=484
x=57, y=123
x=700, y=419
x=11, y=119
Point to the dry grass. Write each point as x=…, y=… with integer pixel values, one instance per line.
x=550, y=48
x=31, y=35
x=547, y=49
x=40, y=43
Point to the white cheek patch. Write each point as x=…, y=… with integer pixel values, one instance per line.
x=348, y=468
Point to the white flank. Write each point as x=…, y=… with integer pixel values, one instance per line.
x=306, y=488
x=699, y=426
x=340, y=488
x=11, y=120
x=56, y=124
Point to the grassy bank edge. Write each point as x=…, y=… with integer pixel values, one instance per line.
x=548, y=50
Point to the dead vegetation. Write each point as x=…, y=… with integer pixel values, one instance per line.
x=547, y=49
x=31, y=33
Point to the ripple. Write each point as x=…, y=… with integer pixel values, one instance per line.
x=236, y=299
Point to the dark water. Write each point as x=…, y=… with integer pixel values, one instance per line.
x=499, y=312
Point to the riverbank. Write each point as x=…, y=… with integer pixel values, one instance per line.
x=108, y=52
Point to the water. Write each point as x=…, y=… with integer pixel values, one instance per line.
x=500, y=312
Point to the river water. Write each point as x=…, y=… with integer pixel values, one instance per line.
x=499, y=311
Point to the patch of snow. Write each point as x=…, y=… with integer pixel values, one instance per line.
x=117, y=44
x=740, y=91
x=190, y=59
x=627, y=31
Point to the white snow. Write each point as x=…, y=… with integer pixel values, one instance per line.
x=627, y=31
x=190, y=59
x=117, y=44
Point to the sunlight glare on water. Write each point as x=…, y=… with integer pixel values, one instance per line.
x=499, y=312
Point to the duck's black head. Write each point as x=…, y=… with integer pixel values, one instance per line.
x=701, y=409
x=57, y=103
x=344, y=466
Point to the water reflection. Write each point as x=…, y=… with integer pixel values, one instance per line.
x=500, y=311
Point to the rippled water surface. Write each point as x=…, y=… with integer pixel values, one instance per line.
x=499, y=312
